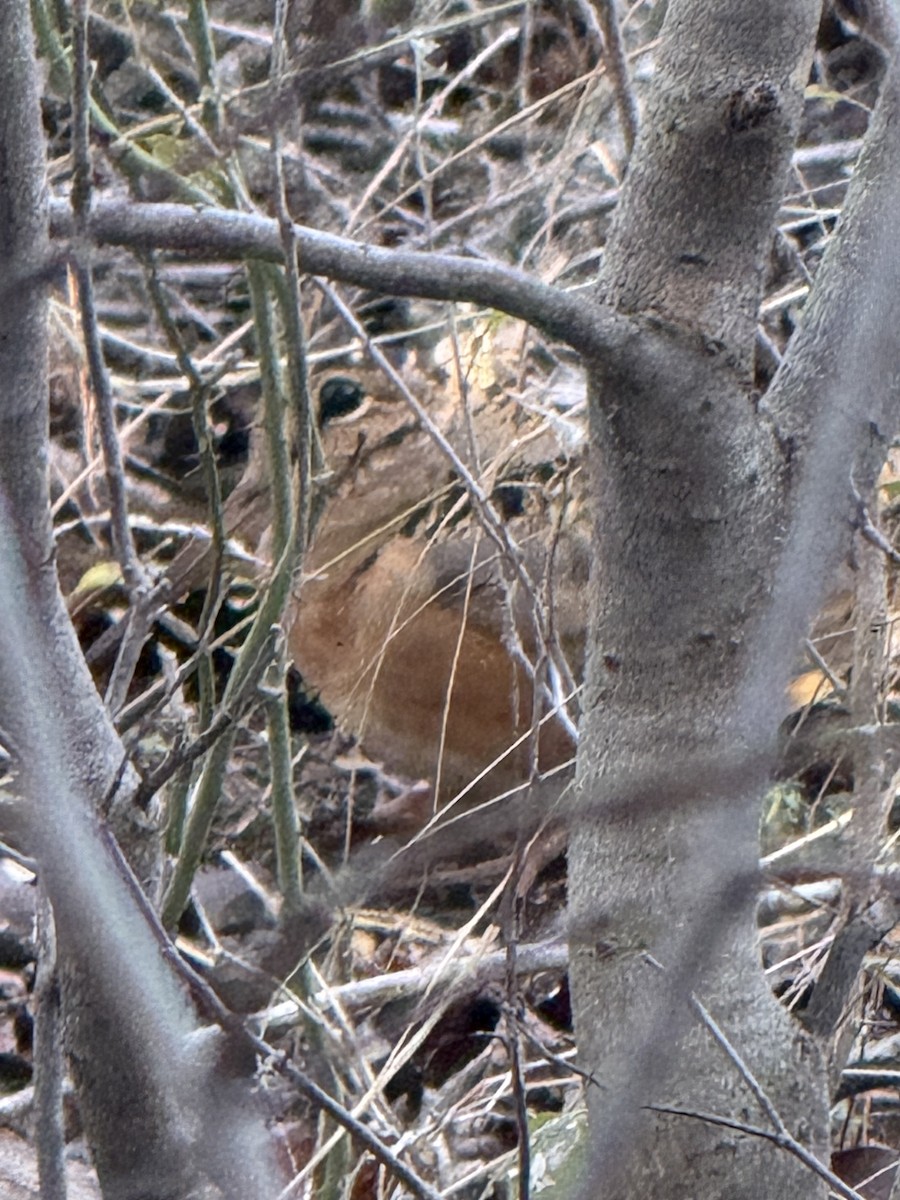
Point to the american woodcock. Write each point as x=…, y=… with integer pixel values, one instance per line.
x=444, y=629
x=417, y=629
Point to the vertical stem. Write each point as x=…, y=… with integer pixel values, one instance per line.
x=176, y=795
x=284, y=807
x=274, y=408
x=48, y=1061
x=123, y=545
x=617, y=65
x=199, y=393
x=206, y=60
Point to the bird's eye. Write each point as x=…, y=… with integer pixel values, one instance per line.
x=510, y=499
x=338, y=397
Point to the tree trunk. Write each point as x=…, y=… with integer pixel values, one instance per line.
x=163, y=1114
x=690, y=482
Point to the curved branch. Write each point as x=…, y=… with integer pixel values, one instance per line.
x=835, y=401
x=839, y=378
x=581, y=323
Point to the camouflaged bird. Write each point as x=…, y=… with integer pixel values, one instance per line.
x=414, y=627
x=410, y=621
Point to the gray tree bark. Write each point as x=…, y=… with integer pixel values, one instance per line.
x=719, y=515
x=163, y=1116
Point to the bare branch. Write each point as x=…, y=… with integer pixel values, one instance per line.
x=617, y=65
x=123, y=543
x=837, y=392
x=215, y=233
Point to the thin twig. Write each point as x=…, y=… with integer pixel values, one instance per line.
x=21, y=860
x=435, y=107
x=291, y=306
x=780, y=1134
x=617, y=66
x=48, y=1060
x=199, y=390
x=551, y=955
x=183, y=756
x=201, y=36
x=123, y=544
x=557, y=1060
x=784, y=1140
x=274, y=408
x=819, y=661
x=137, y=626
x=284, y=807
x=253, y=656
x=870, y=531
x=742, y=1069
x=514, y=1016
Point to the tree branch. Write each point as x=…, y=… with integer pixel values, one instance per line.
x=835, y=397
x=216, y=233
